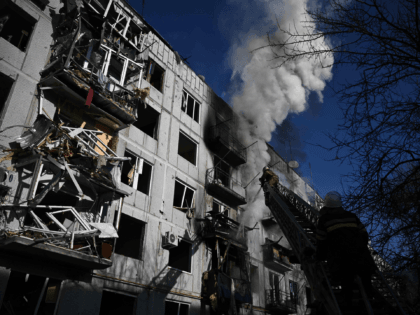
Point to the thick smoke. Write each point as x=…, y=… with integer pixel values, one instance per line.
x=268, y=93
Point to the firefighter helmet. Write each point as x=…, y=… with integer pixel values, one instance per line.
x=332, y=200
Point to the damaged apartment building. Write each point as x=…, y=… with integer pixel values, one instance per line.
x=120, y=187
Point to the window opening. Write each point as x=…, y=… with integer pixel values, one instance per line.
x=293, y=291
x=175, y=308
x=275, y=285
x=115, y=68
x=255, y=284
x=222, y=171
x=17, y=25
x=187, y=148
x=132, y=74
x=190, y=106
x=183, y=195
x=155, y=75
x=180, y=256
x=6, y=84
x=137, y=173
x=308, y=295
x=116, y=303
x=130, y=237
x=148, y=121
x=25, y=291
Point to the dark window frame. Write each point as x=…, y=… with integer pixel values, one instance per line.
x=155, y=75
x=192, y=160
x=136, y=179
x=179, y=306
x=140, y=250
x=145, y=128
x=106, y=310
x=25, y=20
x=6, y=88
x=190, y=256
x=186, y=105
x=184, y=203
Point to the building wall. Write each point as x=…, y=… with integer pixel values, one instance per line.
x=149, y=280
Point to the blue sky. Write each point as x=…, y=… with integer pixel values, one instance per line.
x=208, y=31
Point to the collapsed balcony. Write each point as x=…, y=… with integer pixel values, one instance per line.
x=217, y=290
x=229, y=280
x=224, y=144
x=279, y=302
x=223, y=186
x=71, y=180
x=220, y=225
x=276, y=257
x=96, y=64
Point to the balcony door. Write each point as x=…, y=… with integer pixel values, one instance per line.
x=222, y=171
x=275, y=288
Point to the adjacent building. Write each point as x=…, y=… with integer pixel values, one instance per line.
x=120, y=178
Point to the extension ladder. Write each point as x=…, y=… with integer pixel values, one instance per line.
x=298, y=221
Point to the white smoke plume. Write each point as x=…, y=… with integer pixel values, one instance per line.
x=267, y=93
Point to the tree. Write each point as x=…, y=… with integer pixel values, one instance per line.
x=380, y=131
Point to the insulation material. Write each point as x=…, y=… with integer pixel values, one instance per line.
x=116, y=174
x=105, y=138
x=141, y=93
x=107, y=230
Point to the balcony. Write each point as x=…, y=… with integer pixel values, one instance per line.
x=221, y=226
x=221, y=185
x=224, y=144
x=279, y=302
x=276, y=257
x=95, y=61
x=217, y=284
x=115, y=105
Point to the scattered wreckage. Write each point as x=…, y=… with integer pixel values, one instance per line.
x=75, y=180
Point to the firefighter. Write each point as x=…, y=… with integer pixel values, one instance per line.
x=342, y=240
x=270, y=177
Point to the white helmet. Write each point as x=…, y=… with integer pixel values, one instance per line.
x=265, y=168
x=332, y=200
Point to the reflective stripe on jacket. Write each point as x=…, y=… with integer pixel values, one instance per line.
x=342, y=241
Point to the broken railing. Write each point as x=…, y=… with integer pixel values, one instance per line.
x=76, y=162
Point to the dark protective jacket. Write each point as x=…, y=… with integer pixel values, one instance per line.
x=342, y=240
x=270, y=177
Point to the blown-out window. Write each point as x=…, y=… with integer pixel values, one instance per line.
x=190, y=106
x=148, y=121
x=187, y=148
x=183, y=195
x=137, y=173
x=180, y=256
x=117, y=303
x=16, y=25
x=155, y=75
x=6, y=84
x=130, y=237
x=176, y=308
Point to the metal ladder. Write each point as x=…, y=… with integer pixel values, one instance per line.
x=298, y=220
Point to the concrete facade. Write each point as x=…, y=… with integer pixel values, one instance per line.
x=149, y=282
